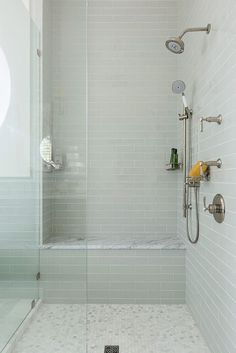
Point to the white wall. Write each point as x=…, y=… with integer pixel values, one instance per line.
x=208, y=68
x=131, y=119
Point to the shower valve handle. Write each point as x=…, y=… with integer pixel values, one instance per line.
x=205, y=209
x=217, y=208
x=211, y=208
x=214, y=207
x=211, y=119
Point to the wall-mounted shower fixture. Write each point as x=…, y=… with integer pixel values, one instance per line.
x=176, y=44
x=201, y=172
x=211, y=119
x=192, y=176
x=178, y=87
x=205, y=175
x=217, y=163
x=217, y=208
x=46, y=154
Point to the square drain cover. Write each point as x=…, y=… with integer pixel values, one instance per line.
x=111, y=349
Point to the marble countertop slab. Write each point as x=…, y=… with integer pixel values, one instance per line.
x=160, y=243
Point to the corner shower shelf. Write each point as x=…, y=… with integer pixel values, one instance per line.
x=170, y=167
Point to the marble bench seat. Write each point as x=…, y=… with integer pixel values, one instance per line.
x=160, y=243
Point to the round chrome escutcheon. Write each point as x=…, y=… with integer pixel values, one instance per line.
x=219, y=202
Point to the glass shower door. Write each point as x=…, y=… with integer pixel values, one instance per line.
x=19, y=166
x=63, y=255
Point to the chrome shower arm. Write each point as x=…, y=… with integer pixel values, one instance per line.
x=196, y=29
x=217, y=163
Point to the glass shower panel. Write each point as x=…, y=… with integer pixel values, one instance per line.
x=64, y=122
x=64, y=166
x=19, y=172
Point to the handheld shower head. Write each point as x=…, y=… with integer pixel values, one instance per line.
x=176, y=44
x=178, y=87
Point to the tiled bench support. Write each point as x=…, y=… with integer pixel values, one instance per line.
x=145, y=276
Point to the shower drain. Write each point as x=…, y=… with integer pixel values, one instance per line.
x=111, y=349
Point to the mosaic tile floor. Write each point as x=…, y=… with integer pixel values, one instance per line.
x=135, y=328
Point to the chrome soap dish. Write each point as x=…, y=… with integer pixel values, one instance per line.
x=173, y=166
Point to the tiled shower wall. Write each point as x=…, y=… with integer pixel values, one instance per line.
x=64, y=117
x=209, y=70
x=113, y=276
x=131, y=119
x=131, y=128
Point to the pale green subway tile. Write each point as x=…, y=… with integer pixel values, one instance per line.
x=61, y=285
x=167, y=260
x=147, y=269
x=121, y=269
x=172, y=294
x=99, y=293
x=126, y=286
x=78, y=277
x=178, y=286
x=173, y=253
x=172, y=269
x=98, y=269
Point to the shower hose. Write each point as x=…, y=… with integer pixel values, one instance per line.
x=190, y=238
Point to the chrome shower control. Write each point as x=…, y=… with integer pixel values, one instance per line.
x=205, y=176
x=217, y=208
x=211, y=119
x=217, y=163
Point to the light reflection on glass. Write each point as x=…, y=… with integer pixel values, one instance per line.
x=5, y=86
x=26, y=4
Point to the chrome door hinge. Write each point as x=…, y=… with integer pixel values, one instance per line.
x=38, y=276
x=39, y=53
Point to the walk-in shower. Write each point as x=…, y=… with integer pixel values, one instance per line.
x=176, y=44
x=113, y=187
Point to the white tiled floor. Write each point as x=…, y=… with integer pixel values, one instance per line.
x=135, y=328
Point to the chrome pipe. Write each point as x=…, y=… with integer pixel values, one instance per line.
x=217, y=163
x=185, y=169
x=186, y=116
x=206, y=29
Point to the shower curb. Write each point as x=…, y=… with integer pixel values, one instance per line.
x=10, y=346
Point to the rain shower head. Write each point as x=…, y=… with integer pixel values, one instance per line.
x=176, y=44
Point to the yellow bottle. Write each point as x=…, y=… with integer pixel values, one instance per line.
x=197, y=169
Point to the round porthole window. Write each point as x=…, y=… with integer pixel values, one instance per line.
x=5, y=86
